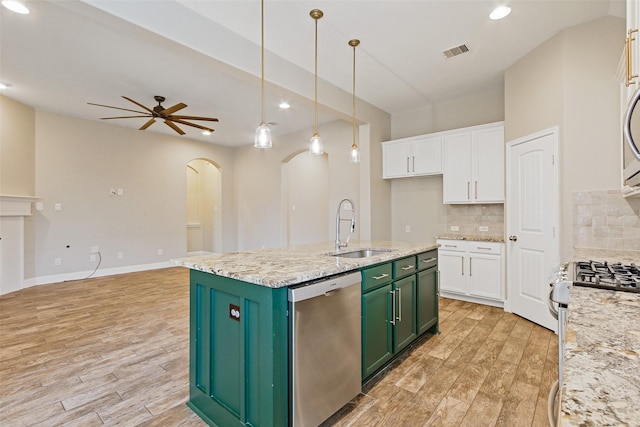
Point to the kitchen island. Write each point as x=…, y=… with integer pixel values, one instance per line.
x=240, y=329
x=602, y=359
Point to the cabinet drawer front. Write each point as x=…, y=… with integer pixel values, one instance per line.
x=404, y=267
x=373, y=277
x=485, y=247
x=427, y=260
x=452, y=245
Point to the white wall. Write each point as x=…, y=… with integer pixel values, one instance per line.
x=570, y=81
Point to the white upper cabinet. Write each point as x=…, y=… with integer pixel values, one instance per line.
x=415, y=156
x=473, y=164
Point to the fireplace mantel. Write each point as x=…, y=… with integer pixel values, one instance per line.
x=16, y=205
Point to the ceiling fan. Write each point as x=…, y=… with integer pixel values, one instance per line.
x=161, y=113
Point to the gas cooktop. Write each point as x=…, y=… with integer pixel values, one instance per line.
x=605, y=275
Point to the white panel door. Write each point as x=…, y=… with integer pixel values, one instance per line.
x=532, y=218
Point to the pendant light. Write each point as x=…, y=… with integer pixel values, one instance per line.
x=316, y=146
x=263, y=133
x=354, y=154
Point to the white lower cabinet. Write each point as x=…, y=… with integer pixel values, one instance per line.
x=472, y=270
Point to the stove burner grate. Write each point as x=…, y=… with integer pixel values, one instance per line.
x=604, y=275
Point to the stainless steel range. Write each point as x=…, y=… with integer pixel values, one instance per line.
x=607, y=275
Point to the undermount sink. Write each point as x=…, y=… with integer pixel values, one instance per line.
x=360, y=253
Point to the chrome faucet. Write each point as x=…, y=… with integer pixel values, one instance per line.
x=340, y=244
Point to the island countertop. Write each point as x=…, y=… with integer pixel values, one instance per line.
x=602, y=359
x=280, y=267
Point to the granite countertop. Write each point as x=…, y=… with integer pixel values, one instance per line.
x=602, y=359
x=473, y=237
x=280, y=267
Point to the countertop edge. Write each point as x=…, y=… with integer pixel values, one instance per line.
x=282, y=267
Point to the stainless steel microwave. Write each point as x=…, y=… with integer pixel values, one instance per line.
x=631, y=146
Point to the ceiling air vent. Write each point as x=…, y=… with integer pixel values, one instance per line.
x=455, y=51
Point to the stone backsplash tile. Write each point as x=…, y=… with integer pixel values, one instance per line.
x=469, y=219
x=606, y=220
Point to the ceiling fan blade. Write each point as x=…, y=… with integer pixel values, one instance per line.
x=138, y=104
x=147, y=124
x=116, y=108
x=173, y=126
x=182, y=122
x=121, y=117
x=170, y=110
x=209, y=119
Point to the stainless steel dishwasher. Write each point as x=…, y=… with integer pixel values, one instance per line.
x=326, y=348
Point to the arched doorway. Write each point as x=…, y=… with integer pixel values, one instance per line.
x=305, y=198
x=203, y=207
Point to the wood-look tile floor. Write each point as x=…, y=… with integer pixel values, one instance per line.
x=114, y=351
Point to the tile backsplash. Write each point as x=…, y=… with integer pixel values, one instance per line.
x=606, y=220
x=469, y=218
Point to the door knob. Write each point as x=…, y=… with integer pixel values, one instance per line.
x=513, y=238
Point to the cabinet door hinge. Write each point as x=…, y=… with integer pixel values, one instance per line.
x=553, y=159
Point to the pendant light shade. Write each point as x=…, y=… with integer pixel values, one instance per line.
x=316, y=146
x=354, y=154
x=263, y=133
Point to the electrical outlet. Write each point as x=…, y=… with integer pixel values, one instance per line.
x=120, y=192
x=57, y=206
x=93, y=258
x=483, y=228
x=160, y=252
x=120, y=255
x=57, y=261
x=407, y=229
x=455, y=228
x=39, y=206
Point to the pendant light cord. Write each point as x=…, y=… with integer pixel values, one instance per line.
x=316, y=75
x=354, y=94
x=262, y=58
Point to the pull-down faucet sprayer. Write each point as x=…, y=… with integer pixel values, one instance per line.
x=340, y=244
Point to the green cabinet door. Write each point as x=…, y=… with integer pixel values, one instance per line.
x=377, y=344
x=404, y=331
x=427, y=300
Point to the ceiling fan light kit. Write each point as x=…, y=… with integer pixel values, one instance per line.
x=161, y=113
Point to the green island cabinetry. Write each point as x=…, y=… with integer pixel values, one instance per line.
x=240, y=337
x=399, y=303
x=238, y=367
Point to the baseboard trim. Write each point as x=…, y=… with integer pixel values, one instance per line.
x=57, y=278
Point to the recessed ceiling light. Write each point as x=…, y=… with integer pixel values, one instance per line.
x=206, y=132
x=15, y=6
x=500, y=12
x=284, y=105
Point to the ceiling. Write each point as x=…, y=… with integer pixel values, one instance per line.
x=206, y=54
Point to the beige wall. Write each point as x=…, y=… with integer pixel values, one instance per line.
x=477, y=109
x=570, y=81
x=80, y=161
x=17, y=148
